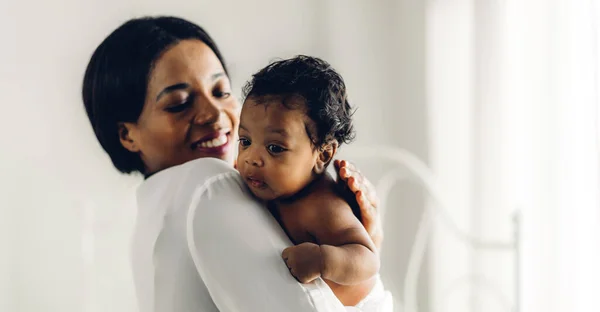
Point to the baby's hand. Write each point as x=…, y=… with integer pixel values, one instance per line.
x=304, y=261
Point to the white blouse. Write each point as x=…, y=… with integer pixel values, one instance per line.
x=202, y=244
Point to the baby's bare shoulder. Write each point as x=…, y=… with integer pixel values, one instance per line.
x=325, y=203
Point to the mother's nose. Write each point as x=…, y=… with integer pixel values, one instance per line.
x=207, y=111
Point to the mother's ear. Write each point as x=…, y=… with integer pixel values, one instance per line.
x=326, y=153
x=128, y=136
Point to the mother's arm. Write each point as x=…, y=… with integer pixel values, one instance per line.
x=236, y=246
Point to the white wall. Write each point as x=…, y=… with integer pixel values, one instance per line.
x=67, y=214
x=450, y=83
x=513, y=100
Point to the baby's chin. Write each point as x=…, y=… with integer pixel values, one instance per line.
x=265, y=194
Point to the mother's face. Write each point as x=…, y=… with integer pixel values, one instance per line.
x=189, y=110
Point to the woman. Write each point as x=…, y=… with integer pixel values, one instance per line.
x=158, y=96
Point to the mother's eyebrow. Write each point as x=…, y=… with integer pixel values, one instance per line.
x=216, y=76
x=182, y=85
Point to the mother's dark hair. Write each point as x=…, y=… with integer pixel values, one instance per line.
x=117, y=76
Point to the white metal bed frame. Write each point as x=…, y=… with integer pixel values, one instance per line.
x=409, y=167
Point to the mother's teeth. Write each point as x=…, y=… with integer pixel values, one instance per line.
x=216, y=142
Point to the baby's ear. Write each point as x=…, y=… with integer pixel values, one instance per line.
x=326, y=153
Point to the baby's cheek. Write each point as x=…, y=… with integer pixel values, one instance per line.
x=290, y=181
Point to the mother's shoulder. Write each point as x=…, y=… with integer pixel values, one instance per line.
x=196, y=169
x=205, y=167
x=191, y=173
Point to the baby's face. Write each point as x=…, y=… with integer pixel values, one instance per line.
x=276, y=157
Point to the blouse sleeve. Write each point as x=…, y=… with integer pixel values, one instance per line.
x=236, y=246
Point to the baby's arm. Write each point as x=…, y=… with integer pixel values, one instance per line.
x=345, y=253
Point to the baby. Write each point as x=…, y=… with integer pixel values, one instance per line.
x=295, y=117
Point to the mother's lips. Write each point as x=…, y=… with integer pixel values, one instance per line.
x=216, y=140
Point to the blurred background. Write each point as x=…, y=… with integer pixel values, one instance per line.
x=499, y=98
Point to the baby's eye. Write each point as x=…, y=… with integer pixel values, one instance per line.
x=244, y=142
x=275, y=149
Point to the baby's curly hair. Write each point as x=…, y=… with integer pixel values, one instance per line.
x=318, y=84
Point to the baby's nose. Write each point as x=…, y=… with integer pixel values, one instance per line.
x=254, y=161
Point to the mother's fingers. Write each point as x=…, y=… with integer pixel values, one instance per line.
x=365, y=204
x=348, y=172
x=347, y=164
x=340, y=164
x=357, y=183
x=336, y=164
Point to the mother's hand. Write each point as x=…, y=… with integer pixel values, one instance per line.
x=365, y=196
